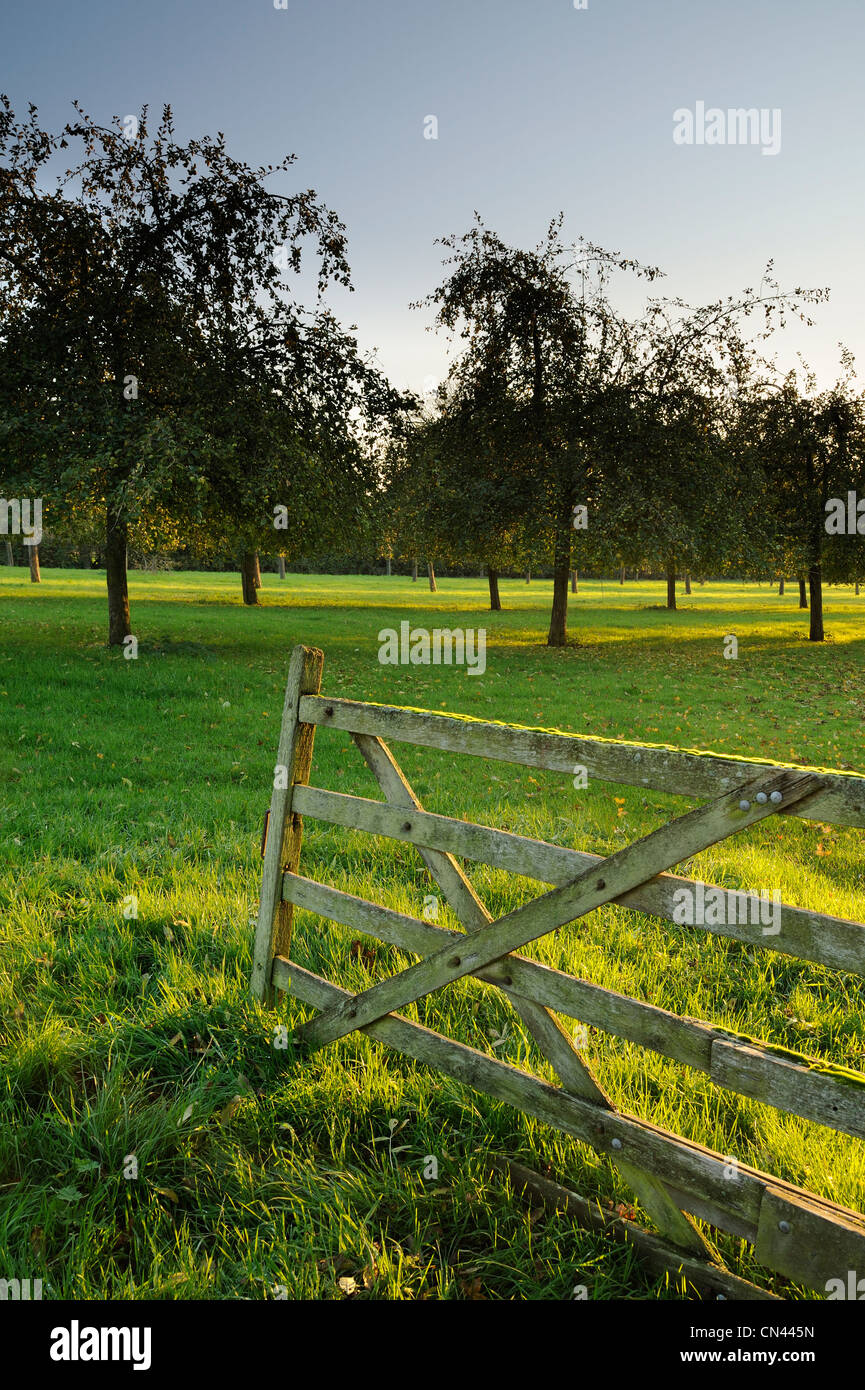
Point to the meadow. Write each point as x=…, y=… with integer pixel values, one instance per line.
x=128, y=1042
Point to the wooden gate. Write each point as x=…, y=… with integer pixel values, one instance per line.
x=795, y=1233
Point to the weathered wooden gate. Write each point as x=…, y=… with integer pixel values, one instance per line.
x=794, y=1232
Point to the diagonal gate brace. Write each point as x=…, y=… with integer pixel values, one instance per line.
x=629, y=868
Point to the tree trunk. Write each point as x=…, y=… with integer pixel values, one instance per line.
x=35, y=576
x=282, y=566
x=815, y=589
x=528, y=576
x=857, y=588
x=701, y=582
x=495, y=601
x=575, y=582
x=119, y=623
x=558, y=633
x=622, y=575
x=671, y=585
x=780, y=586
x=432, y=576
x=803, y=597
x=256, y=571
x=414, y=571
x=687, y=582
x=10, y=558
x=248, y=571
x=387, y=562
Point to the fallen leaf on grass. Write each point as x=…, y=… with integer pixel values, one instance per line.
x=228, y=1110
x=471, y=1289
x=348, y=1285
x=365, y=954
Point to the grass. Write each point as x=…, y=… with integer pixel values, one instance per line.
x=128, y=1040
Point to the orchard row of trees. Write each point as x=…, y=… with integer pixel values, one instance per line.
x=567, y=431
x=160, y=384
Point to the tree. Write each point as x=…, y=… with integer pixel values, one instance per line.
x=680, y=490
x=295, y=428
x=112, y=286
x=667, y=486
x=467, y=480
x=540, y=335
x=413, y=505
x=812, y=446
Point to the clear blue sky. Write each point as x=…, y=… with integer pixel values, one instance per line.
x=540, y=107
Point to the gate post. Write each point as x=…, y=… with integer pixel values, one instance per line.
x=285, y=827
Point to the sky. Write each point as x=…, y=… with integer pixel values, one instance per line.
x=539, y=107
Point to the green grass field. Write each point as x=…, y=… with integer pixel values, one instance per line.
x=135, y=1036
